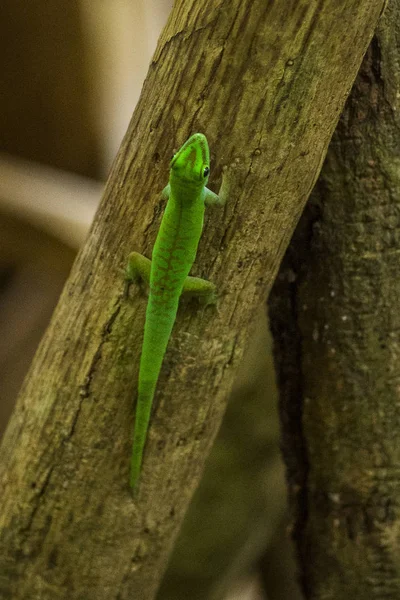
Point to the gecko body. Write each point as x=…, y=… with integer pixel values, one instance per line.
x=167, y=273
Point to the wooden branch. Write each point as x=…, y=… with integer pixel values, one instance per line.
x=266, y=83
x=339, y=365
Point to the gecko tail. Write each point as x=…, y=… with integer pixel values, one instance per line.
x=142, y=419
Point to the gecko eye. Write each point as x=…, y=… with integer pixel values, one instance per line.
x=206, y=171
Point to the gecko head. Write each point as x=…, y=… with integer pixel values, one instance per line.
x=192, y=161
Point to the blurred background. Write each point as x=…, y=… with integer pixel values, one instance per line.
x=71, y=74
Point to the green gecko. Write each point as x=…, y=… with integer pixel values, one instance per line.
x=167, y=273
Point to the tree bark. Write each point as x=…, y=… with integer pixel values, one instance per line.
x=266, y=83
x=240, y=503
x=338, y=294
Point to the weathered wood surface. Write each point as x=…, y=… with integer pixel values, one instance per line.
x=266, y=82
x=338, y=296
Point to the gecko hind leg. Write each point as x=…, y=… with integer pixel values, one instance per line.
x=205, y=291
x=137, y=269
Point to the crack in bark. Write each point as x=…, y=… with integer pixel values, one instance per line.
x=285, y=323
x=37, y=499
x=84, y=393
x=85, y=388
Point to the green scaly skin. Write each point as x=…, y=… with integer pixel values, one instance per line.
x=174, y=253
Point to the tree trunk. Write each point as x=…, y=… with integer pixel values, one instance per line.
x=266, y=83
x=338, y=294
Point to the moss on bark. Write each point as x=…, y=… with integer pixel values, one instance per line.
x=339, y=290
x=266, y=83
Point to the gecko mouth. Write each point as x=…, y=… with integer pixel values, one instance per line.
x=195, y=152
